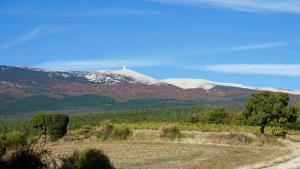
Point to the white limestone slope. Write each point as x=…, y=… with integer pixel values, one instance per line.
x=191, y=83
x=207, y=85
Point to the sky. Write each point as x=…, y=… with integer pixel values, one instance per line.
x=252, y=42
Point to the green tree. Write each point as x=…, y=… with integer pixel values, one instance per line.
x=39, y=122
x=54, y=125
x=263, y=108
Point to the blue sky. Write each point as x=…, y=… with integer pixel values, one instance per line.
x=253, y=42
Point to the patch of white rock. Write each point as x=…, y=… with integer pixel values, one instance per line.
x=207, y=85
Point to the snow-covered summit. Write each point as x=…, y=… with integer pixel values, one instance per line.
x=120, y=76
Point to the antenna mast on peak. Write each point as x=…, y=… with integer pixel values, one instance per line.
x=124, y=67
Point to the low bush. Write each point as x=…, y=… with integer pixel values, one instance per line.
x=279, y=132
x=169, y=131
x=12, y=140
x=15, y=140
x=85, y=132
x=105, y=130
x=25, y=159
x=229, y=138
x=121, y=133
x=216, y=116
x=2, y=145
x=88, y=159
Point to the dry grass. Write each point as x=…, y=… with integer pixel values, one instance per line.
x=195, y=150
x=167, y=155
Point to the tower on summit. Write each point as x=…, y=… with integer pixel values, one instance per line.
x=124, y=67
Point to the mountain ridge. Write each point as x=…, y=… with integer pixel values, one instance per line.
x=184, y=83
x=20, y=84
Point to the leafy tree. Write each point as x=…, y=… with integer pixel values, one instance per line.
x=263, y=108
x=39, y=122
x=54, y=125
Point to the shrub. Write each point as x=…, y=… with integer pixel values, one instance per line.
x=2, y=152
x=105, y=130
x=12, y=140
x=216, y=116
x=15, y=140
x=2, y=145
x=279, y=132
x=169, y=131
x=25, y=159
x=237, y=118
x=57, y=125
x=88, y=159
x=194, y=119
x=121, y=133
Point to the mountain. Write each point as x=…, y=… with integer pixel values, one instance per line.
x=48, y=90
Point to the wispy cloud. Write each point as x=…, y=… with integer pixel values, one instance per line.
x=259, y=46
x=99, y=64
x=32, y=34
x=260, y=69
x=93, y=12
x=257, y=6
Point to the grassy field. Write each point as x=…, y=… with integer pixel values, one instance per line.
x=144, y=150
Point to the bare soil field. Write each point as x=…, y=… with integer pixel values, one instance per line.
x=145, y=154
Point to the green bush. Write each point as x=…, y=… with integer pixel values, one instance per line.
x=11, y=141
x=121, y=133
x=237, y=118
x=278, y=132
x=169, y=131
x=105, y=130
x=15, y=140
x=2, y=145
x=216, y=116
x=25, y=159
x=57, y=125
x=194, y=119
x=88, y=159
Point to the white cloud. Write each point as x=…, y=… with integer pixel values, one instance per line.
x=99, y=64
x=259, y=46
x=32, y=34
x=260, y=69
x=283, y=6
x=23, y=38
